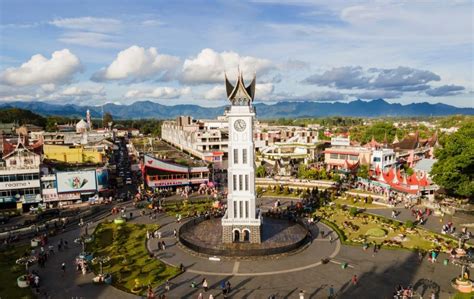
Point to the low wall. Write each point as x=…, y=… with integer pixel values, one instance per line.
x=238, y=252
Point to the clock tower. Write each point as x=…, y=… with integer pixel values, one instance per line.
x=242, y=221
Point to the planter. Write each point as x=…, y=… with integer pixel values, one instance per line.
x=22, y=282
x=137, y=290
x=119, y=220
x=35, y=242
x=463, y=286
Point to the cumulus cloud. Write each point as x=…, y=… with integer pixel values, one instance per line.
x=159, y=93
x=355, y=77
x=445, y=90
x=139, y=64
x=215, y=93
x=209, y=66
x=88, y=24
x=40, y=70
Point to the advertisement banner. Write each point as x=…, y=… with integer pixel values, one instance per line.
x=102, y=179
x=76, y=181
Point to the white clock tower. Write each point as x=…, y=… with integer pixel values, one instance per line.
x=241, y=222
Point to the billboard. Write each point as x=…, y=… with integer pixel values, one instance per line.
x=76, y=181
x=102, y=178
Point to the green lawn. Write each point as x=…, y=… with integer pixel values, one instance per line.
x=9, y=272
x=272, y=193
x=359, y=204
x=129, y=258
x=187, y=208
x=356, y=228
x=463, y=296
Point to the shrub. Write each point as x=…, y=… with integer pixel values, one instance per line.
x=409, y=224
x=370, y=199
x=353, y=211
x=286, y=190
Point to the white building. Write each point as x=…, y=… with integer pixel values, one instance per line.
x=20, y=178
x=382, y=159
x=241, y=222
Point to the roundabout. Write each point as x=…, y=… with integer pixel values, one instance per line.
x=307, y=257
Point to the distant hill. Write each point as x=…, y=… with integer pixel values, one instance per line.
x=148, y=109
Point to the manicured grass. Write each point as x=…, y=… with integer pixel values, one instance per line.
x=281, y=194
x=9, y=272
x=129, y=257
x=358, y=230
x=187, y=208
x=359, y=204
x=463, y=296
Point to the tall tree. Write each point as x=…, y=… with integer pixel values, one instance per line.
x=454, y=170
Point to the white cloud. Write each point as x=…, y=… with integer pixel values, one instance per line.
x=152, y=23
x=81, y=91
x=216, y=93
x=139, y=64
x=159, y=93
x=88, y=24
x=209, y=66
x=40, y=70
x=90, y=39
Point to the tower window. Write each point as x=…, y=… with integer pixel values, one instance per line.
x=236, y=156
x=247, y=182
x=234, y=182
x=235, y=209
x=240, y=182
x=246, y=209
x=241, y=212
x=244, y=156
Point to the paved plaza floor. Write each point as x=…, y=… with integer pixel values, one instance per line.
x=283, y=276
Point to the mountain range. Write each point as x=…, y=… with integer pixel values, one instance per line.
x=148, y=109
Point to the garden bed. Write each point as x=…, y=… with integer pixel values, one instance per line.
x=129, y=257
x=10, y=271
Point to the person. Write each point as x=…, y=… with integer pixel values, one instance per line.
x=175, y=233
x=394, y=214
x=211, y=296
x=331, y=292
x=204, y=284
x=354, y=280
x=227, y=286
x=63, y=267
x=200, y=296
x=163, y=245
x=131, y=215
x=181, y=267
x=301, y=294
x=433, y=295
x=167, y=285
x=37, y=281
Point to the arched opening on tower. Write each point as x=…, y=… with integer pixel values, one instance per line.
x=236, y=236
x=246, y=235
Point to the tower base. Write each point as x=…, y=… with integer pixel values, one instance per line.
x=237, y=233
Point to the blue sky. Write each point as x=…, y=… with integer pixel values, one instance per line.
x=175, y=52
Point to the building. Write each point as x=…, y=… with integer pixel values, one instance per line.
x=159, y=174
x=412, y=148
x=342, y=156
x=204, y=139
x=76, y=154
x=20, y=176
x=241, y=222
x=382, y=159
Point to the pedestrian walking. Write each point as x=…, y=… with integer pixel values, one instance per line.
x=200, y=296
x=204, y=284
x=322, y=234
x=354, y=280
x=175, y=233
x=301, y=294
x=63, y=268
x=159, y=235
x=211, y=296
x=331, y=292
x=330, y=238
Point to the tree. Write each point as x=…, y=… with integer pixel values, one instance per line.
x=107, y=118
x=363, y=171
x=260, y=171
x=454, y=170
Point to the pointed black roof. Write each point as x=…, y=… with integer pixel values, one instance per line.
x=233, y=90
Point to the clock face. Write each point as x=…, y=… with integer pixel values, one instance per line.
x=240, y=125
